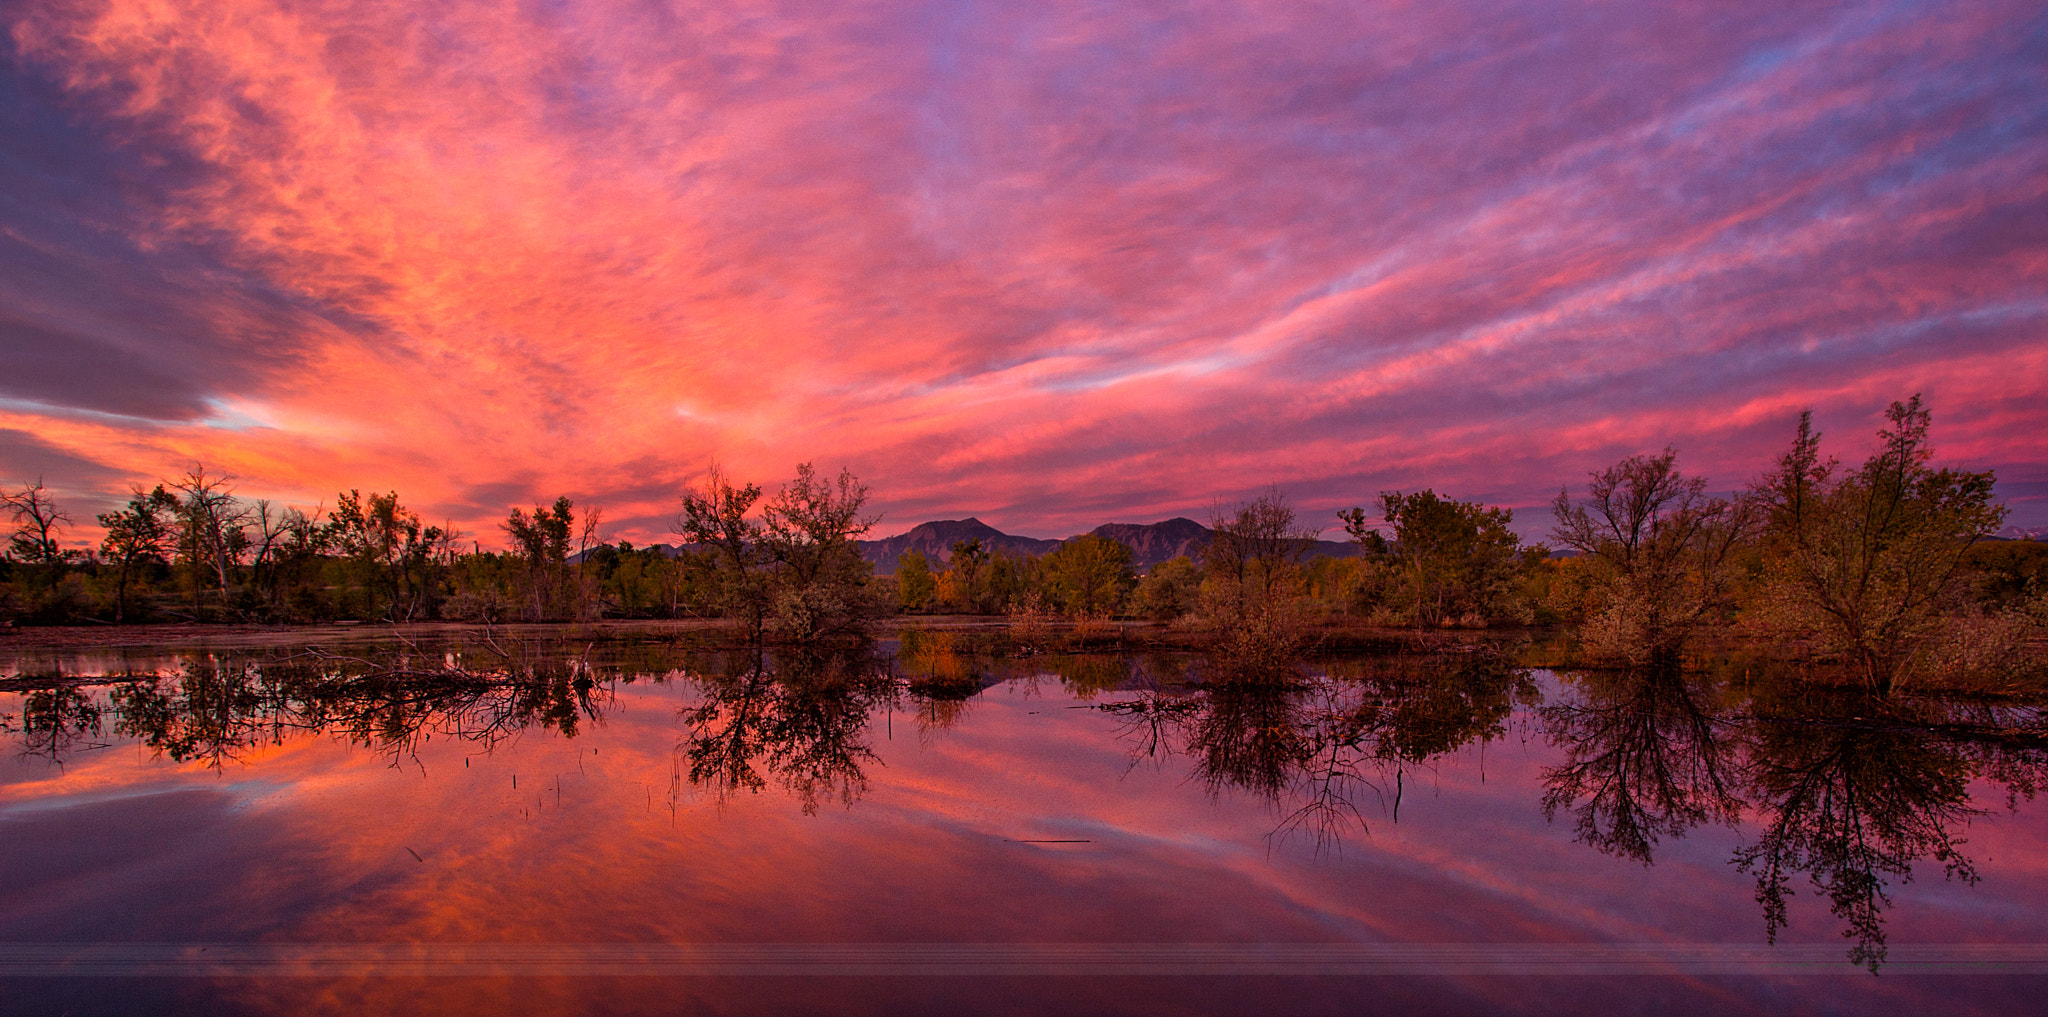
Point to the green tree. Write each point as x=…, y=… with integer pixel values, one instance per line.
x=1867, y=563
x=1172, y=590
x=1008, y=580
x=1089, y=575
x=915, y=583
x=542, y=542
x=1455, y=560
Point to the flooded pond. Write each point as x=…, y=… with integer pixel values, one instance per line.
x=564, y=828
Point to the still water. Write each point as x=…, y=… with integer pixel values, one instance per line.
x=567, y=828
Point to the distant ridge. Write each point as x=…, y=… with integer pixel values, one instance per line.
x=1153, y=543
x=1150, y=543
x=936, y=539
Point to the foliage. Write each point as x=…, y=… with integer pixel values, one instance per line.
x=1454, y=562
x=549, y=588
x=1868, y=564
x=716, y=516
x=137, y=536
x=1171, y=591
x=1089, y=576
x=1657, y=555
x=819, y=581
x=1251, y=586
x=915, y=584
x=390, y=552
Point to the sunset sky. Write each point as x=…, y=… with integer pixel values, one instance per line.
x=1049, y=265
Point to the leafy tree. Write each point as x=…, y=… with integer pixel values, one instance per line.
x=1658, y=554
x=964, y=585
x=1089, y=575
x=1170, y=591
x=136, y=536
x=797, y=565
x=542, y=541
x=392, y=550
x=1454, y=559
x=810, y=531
x=1009, y=580
x=716, y=516
x=915, y=584
x=1866, y=563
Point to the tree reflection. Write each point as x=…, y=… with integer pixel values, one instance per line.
x=1318, y=744
x=1849, y=788
x=1854, y=790
x=220, y=710
x=800, y=718
x=56, y=721
x=1645, y=758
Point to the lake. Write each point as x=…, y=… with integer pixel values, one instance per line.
x=558, y=826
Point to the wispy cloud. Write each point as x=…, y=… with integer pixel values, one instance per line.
x=1050, y=266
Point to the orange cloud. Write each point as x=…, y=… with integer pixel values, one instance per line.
x=1045, y=266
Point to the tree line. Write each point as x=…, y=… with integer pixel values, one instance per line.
x=1881, y=566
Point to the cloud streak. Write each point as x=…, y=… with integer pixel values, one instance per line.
x=1050, y=267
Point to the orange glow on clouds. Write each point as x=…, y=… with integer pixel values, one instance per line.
x=1047, y=267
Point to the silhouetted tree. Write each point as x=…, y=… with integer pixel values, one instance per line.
x=1852, y=792
x=36, y=519
x=1645, y=757
x=136, y=535
x=542, y=542
x=393, y=552
x=211, y=533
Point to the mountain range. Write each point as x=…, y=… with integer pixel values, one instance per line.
x=1150, y=543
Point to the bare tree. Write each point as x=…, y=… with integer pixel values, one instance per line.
x=212, y=537
x=36, y=520
x=1252, y=566
x=715, y=515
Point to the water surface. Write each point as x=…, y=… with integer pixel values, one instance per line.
x=577, y=827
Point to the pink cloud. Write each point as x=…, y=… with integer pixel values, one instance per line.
x=1052, y=267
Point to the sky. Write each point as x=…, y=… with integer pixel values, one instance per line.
x=1047, y=265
